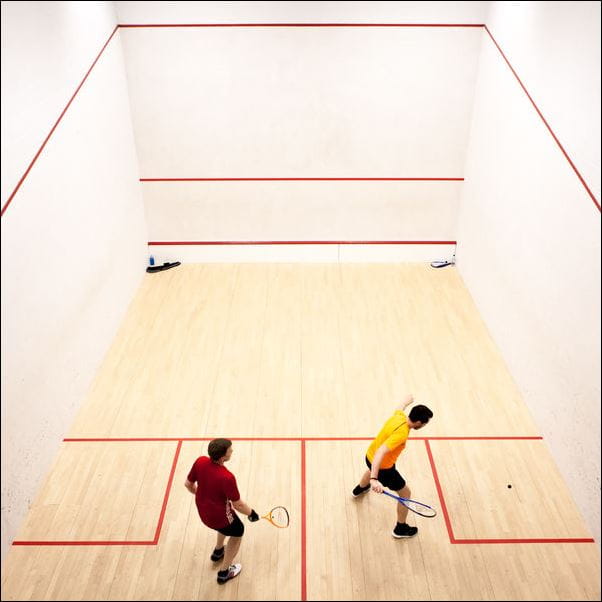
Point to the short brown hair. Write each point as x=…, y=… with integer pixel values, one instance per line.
x=218, y=448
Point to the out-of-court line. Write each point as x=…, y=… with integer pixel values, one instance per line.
x=566, y=155
x=10, y=198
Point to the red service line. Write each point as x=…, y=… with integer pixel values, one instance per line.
x=300, y=438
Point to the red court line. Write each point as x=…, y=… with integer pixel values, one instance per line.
x=152, y=542
x=596, y=202
x=519, y=438
x=83, y=543
x=542, y=540
x=85, y=439
x=167, y=492
x=439, y=491
x=155, y=25
x=299, y=242
x=303, y=527
x=10, y=198
x=301, y=179
x=458, y=438
x=454, y=540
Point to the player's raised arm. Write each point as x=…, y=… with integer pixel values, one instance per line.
x=405, y=402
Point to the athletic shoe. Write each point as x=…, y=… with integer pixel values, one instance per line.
x=218, y=554
x=229, y=573
x=359, y=490
x=159, y=268
x=403, y=530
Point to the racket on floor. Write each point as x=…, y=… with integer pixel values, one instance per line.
x=414, y=506
x=278, y=516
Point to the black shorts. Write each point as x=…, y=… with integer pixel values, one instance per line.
x=234, y=529
x=389, y=477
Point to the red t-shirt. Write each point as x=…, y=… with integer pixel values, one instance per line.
x=216, y=488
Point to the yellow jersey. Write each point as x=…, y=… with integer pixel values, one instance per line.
x=394, y=435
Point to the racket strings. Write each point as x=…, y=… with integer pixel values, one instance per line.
x=279, y=516
x=419, y=508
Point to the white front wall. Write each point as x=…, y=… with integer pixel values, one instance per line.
x=74, y=236
x=301, y=102
x=529, y=233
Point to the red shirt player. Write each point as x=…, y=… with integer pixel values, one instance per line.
x=217, y=498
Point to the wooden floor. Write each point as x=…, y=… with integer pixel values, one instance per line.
x=301, y=365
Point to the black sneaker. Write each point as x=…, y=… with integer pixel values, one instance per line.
x=159, y=268
x=229, y=573
x=404, y=530
x=218, y=554
x=359, y=490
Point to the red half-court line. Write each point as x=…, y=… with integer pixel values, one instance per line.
x=303, y=526
x=583, y=182
x=439, y=491
x=299, y=242
x=10, y=198
x=301, y=179
x=157, y=25
x=167, y=492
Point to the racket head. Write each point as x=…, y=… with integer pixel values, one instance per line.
x=278, y=516
x=414, y=506
x=419, y=508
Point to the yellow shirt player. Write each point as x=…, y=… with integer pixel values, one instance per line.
x=382, y=454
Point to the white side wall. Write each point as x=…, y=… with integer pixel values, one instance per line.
x=73, y=237
x=528, y=232
x=301, y=102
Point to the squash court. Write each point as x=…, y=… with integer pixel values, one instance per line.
x=300, y=365
x=272, y=222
